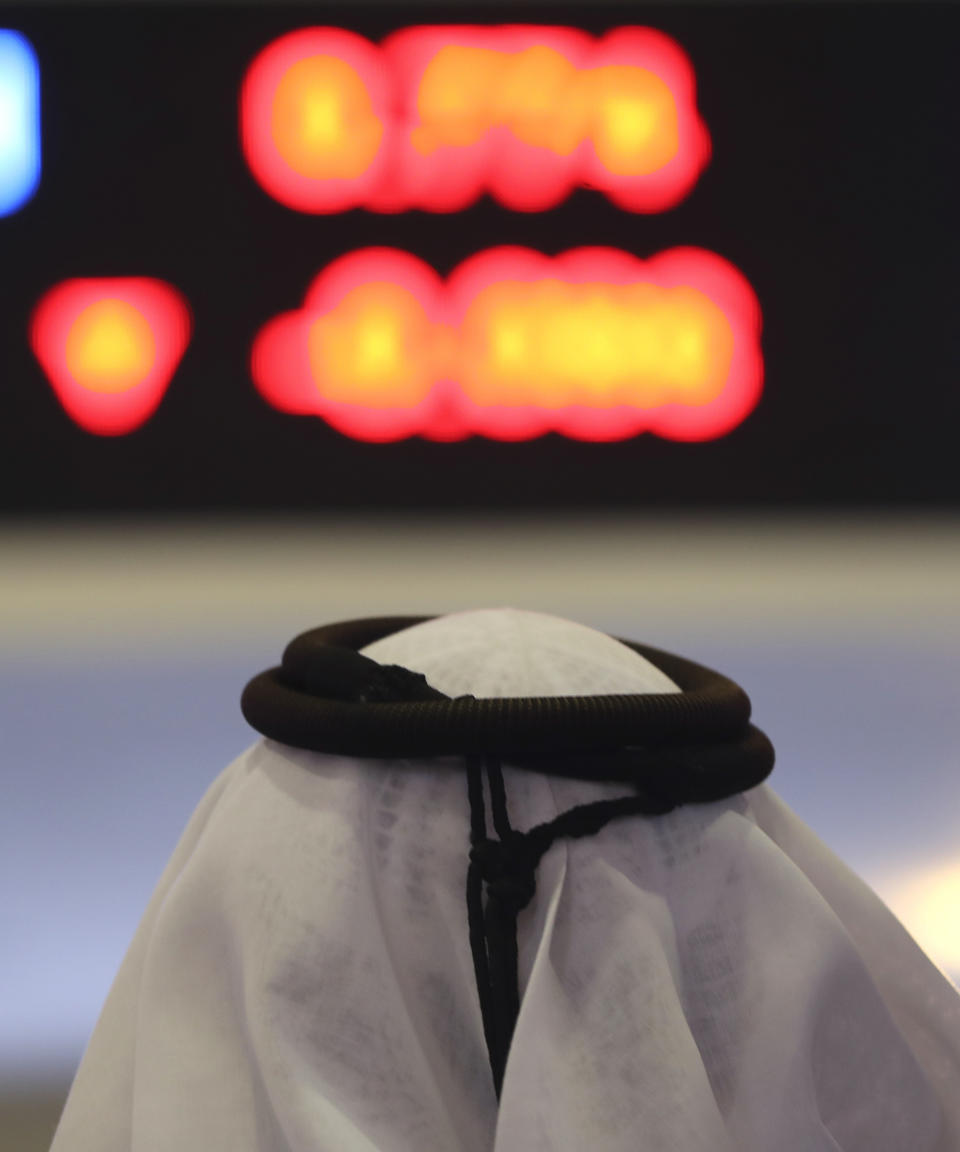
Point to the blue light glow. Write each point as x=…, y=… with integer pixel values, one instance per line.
x=19, y=121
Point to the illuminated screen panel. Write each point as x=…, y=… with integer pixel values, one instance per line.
x=594, y=344
x=436, y=116
x=19, y=121
x=464, y=325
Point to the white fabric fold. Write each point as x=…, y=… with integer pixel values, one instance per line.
x=710, y=980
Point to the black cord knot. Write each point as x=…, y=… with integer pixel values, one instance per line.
x=508, y=868
x=391, y=683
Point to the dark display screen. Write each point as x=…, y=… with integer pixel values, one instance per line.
x=765, y=313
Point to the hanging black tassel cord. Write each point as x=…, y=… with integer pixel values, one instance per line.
x=506, y=869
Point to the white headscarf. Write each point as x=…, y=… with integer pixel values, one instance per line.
x=713, y=980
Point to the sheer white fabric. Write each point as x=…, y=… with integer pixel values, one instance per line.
x=710, y=980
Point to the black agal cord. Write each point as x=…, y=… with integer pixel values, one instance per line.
x=692, y=746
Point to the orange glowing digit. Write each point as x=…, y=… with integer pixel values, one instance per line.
x=110, y=347
x=539, y=100
x=373, y=348
x=633, y=120
x=454, y=97
x=595, y=344
x=322, y=120
x=315, y=119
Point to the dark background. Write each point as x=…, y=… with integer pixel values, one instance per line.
x=833, y=187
